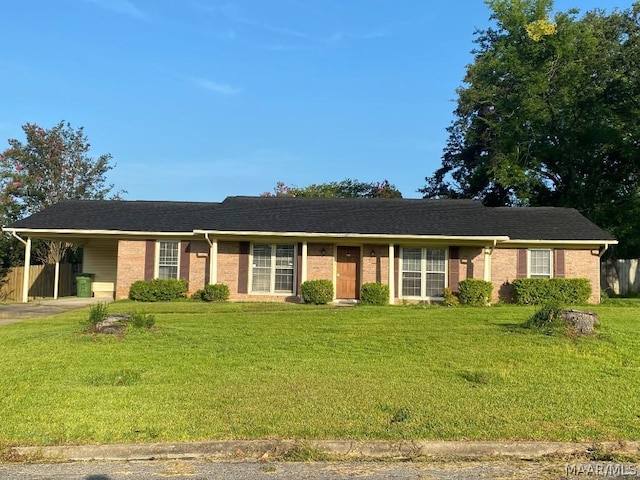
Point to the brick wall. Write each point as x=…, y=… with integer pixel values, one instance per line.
x=375, y=268
x=471, y=263
x=228, y=262
x=504, y=265
x=228, y=266
x=319, y=266
x=578, y=264
x=131, y=255
x=584, y=264
x=130, y=265
x=198, y=265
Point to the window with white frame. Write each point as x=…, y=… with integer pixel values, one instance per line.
x=412, y=272
x=423, y=272
x=168, y=259
x=272, y=268
x=540, y=263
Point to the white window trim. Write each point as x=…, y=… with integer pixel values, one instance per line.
x=156, y=267
x=423, y=272
x=551, y=256
x=272, y=280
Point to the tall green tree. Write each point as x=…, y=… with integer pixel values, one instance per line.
x=548, y=116
x=50, y=166
x=347, y=188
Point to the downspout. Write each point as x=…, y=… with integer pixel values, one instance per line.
x=604, y=250
x=213, y=259
x=14, y=234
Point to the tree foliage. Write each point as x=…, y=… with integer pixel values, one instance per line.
x=548, y=116
x=51, y=166
x=347, y=188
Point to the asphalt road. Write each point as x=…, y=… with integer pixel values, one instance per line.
x=201, y=469
x=14, y=312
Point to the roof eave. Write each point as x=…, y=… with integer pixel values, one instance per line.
x=499, y=239
x=599, y=242
x=252, y=233
x=89, y=232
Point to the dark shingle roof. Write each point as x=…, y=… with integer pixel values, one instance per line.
x=348, y=215
x=546, y=223
x=121, y=216
x=320, y=215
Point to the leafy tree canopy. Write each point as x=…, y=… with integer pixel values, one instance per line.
x=51, y=166
x=548, y=116
x=344, y=189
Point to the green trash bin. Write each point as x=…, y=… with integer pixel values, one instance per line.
x=84, y=285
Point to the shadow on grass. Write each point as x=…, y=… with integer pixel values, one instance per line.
x=515, y=327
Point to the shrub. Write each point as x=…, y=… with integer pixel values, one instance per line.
x=450, y=298
x=475, y=292
x=141, y=320
x=318, y=292
x=213, y=293
x=374, y=294
x=158, y=290
x=537, y=291
x=97, y=313
x=530, y=291
x=546, y=315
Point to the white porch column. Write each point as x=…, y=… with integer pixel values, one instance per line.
x=27, y=267
x=487, y=263
x=213, y=261
x=392, y=277
x=303, y=270
x=56, y=280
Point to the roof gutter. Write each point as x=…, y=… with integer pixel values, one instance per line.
x=494, y=239
x=68, y=231
x=563, y=242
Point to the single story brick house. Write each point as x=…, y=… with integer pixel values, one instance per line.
x=264, y=248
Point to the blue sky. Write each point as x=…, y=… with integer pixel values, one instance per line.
x=201, y=99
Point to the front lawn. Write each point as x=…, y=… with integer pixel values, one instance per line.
x=293, y=371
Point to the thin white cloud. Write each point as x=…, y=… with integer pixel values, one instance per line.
x=278, y=47
x=334, y=40
x=346, y=36
x=274, y=29
x=250, y=164
x=306, y=41
x=217, y=87
x=123, y=7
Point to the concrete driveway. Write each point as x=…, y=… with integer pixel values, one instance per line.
x=14, y=312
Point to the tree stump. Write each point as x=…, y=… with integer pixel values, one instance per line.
x=113, y=324
x=581, y=323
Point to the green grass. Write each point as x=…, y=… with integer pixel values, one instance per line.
x=235, y=371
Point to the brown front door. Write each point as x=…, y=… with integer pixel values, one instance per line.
x=348, y=272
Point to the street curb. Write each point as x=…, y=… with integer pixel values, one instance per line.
x=347, y=449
